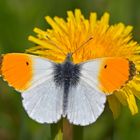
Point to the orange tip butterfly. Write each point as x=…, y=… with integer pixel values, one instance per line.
x=53, y=90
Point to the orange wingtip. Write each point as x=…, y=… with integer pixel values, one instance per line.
x=16, y=69
x=114, y=73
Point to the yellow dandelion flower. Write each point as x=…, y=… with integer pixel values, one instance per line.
x=107, y=41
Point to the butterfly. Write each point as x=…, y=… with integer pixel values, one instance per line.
x=53, y=90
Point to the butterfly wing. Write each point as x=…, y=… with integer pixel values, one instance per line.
x=99, y=77
x=33, y=76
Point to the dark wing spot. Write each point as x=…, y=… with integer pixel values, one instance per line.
x=105, y=66
x=27, y=63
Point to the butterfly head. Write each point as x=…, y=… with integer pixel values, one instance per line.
x=69, y=57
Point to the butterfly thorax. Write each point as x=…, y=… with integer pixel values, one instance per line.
x=66, y=76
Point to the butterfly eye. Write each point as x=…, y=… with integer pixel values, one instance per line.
x=27, y=63
x=105, y=66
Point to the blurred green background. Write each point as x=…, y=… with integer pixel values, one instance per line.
x=17, y=20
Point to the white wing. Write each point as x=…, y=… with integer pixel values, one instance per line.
x=43, y=100
x=43, y=103
x=86, y=101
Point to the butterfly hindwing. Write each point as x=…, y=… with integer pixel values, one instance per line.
x=44, y=102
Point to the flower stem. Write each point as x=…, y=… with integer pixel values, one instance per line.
x=63, y=130
x=57, y=131
x=67, y=130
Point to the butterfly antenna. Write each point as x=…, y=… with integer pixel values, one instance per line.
x=53, y=43
x=82, y=45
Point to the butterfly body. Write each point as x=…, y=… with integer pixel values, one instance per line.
x=66, y=76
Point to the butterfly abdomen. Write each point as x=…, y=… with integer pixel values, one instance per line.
x=66, y=76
